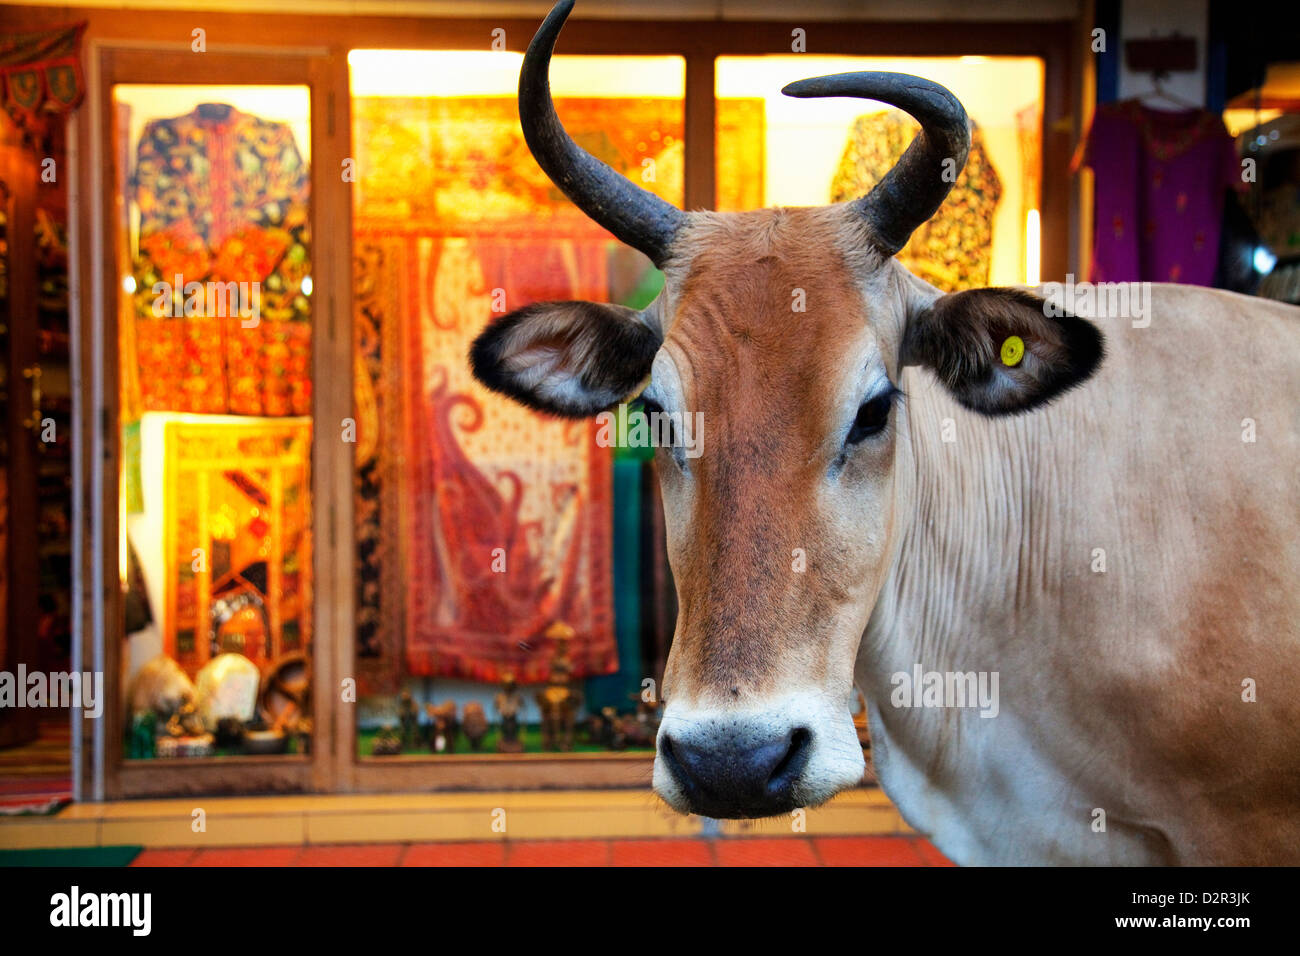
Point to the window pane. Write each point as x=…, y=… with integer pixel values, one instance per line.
x=215, y=325
x=485, y=530
x=815, y=151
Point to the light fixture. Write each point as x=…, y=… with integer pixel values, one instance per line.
x=1033, y=250
x=1264, y=260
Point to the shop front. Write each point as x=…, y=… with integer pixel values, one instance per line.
x=311, y=553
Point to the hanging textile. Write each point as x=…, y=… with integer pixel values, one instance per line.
x=450, y=209
x=223, y=198
x=512, y=509
x=953, y=250
x=1160, y=186
x=41, y=77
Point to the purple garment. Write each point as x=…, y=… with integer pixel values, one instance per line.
x=1161, y=179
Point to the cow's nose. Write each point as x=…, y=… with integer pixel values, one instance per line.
x=736, y=775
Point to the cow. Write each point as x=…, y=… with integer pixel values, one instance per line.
x=1085, y=529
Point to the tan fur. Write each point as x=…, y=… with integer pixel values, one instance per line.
x=1121, y=691
x=754, y=368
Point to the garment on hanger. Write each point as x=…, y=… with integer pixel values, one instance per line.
x=953, y=250
x=223, y=198
x=1161, y=178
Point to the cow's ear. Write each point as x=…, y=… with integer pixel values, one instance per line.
x=1001, y=351
x=567, y=358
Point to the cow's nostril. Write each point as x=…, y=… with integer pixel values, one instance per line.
x=731, y=775
x=792, y=765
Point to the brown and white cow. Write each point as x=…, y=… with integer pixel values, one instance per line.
x=870, y=504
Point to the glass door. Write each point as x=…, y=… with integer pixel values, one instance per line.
x=219, y=318
x=214, y=344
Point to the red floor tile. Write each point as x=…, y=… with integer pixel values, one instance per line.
x=455, y=854
x=660, y=853
x=867, y=851
x=559, y=853
x=758, y=851
x=931, y=854
x=362, y=854
x=178, y=857
x=247, y=856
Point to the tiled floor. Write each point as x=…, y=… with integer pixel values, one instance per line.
x=753, y=851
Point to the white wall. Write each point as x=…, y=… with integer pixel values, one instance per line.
x=1146, y=19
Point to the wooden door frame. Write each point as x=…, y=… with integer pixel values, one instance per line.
x=109, y=775
x=20, y=725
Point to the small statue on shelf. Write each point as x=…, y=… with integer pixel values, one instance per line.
x=474, y=724
x=559, y=700
x=641, y=729
x=600, y=727
x=442, y=727
x=185, y=722
x=408, y=716
x=387, y=742
x=508, y=703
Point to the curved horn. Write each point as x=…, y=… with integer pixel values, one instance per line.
x=637, y=217
x=913, y=190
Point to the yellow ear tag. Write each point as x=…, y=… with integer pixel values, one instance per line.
x=1013, y=350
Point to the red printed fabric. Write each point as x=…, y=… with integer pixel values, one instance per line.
x=509, y=512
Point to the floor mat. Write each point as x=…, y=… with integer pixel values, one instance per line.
x=71, y=856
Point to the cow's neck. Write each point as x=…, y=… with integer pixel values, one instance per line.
x=969, y=553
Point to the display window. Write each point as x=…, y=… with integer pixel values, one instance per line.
x=818, y=151
x=215, y=326
x=314, y=553
x=499, y=569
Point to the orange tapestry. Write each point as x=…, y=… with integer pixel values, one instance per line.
x=478, y=521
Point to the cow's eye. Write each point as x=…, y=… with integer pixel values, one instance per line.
x=660, y=425
x=873, y=416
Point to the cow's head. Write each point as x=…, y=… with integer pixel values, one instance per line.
x=781, y=532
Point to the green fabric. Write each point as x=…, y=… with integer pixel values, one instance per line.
x=651, y=285
x=131, y=478
x=614, y=690
x=71, y=856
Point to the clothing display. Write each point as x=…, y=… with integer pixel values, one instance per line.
x=953, y=250
x=222, y=198
x=1160, y=186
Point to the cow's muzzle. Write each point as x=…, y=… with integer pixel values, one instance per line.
x=730, y=764
x=738, y=776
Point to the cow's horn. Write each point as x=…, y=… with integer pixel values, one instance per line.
x=913, y=190
x=638, y=218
